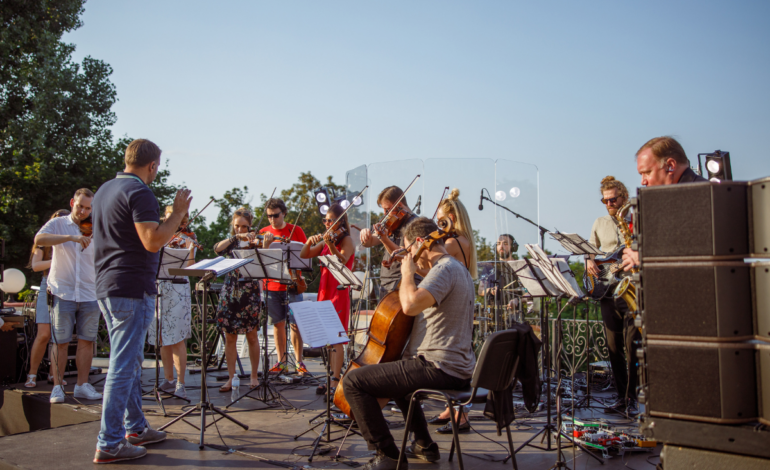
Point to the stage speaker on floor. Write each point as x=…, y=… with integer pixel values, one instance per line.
x=763, y=379
x=698, y=219
x=760, y=281
x=700, y=381
x=698, y=301
x=759, y=222
x=686, y=458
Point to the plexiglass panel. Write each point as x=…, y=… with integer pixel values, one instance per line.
x=516, y=192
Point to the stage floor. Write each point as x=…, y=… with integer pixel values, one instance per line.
x=269, y=441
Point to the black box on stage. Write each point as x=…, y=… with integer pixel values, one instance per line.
x=763, y=379
x=697, y=219
x=698, y=301
x=688, y=458
x=759, y=220
x=760, y=281
x=702, y=381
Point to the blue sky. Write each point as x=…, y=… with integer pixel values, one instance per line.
x=252, y=93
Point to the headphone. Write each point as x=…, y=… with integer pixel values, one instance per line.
x=670, y=169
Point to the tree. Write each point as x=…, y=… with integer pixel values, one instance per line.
x=55, y=117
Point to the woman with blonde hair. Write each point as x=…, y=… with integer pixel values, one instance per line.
x=239, y=310
x=462, y=248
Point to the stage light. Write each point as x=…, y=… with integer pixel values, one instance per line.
x=515, y=192
x=320, y=197
x=358, y=200
x=717, y=166
x=500, y=195
x=345, y=203
x=324, y=209
x=324, y=196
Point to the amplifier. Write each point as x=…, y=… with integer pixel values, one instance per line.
x=699, y=300
x=699, y=381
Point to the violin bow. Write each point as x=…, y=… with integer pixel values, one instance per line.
x=395, y=204
x=264, y=208
x=189, y=222
x=346, y=210
x=446, y=188
x=301, y=209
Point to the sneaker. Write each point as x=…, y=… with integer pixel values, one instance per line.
x=148, y=436
x=382, y=462
x=57, y=394
x=301, y=369
x=167, y=386
x=180, y=391
x=87, y=391
x=278, y=368
x=124, y=451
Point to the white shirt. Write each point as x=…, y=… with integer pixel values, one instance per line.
x=72, y=276
x=605, y=234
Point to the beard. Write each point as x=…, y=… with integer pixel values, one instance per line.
x=612, y=211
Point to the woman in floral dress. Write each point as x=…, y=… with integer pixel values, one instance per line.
x=239, y=310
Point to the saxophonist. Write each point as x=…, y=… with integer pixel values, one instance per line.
x=618, y=324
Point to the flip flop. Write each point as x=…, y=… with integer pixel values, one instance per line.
x=225, y=388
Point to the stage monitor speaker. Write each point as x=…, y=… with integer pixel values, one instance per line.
x=697, y=219
x=759, y=222
x=9, y=344
x=763, y=377
x=760, y=281
x=706, y=301
x=709, y=382
x=685, y=458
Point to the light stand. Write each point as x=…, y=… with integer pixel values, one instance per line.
x=266, y=393
x=204, y=406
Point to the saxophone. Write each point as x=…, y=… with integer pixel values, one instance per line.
x=626, y=289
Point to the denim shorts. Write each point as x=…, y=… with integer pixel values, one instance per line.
x=42, y=316
x=68, y=314
x=277, y=303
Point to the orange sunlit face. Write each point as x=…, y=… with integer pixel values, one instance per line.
x=275, y=217
x=653, y=173
x=241, y=225
x=612, y=201
x=81, y=207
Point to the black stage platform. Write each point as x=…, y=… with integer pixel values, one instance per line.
x=269, y=442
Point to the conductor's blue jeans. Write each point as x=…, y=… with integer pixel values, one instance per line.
x=127, y=323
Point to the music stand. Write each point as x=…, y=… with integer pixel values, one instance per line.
x=267, y=264
x=294, y=262
x=319, y=323
x=578, y=246
x=206, y=271
x=168, y=258
x=563, y=287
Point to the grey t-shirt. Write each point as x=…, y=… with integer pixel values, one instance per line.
x=442, y=334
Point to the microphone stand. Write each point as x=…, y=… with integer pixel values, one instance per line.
x=542, y=229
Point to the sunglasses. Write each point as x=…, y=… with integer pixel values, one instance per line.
x=612, y=200
x=327, y=221
x=273, y=216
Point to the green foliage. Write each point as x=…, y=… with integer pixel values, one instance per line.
x=54, y=121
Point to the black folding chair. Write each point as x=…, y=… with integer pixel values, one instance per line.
x=495, y=370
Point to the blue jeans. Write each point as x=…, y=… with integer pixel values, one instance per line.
x=127, y=323
x=68, y=316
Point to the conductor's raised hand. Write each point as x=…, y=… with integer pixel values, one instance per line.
x=182, y=201
x=408, y=267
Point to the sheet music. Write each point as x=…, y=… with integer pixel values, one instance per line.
x=173, y=258
x=272, y=258
x=292, y=250
x=575, y=244
x=341, y=273
x=550, y=270
x=219, y=265
x=318, y=323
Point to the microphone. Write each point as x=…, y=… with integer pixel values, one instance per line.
x=481, y=201
x=419, y=204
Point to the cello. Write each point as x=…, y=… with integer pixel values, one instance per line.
x=388, y=331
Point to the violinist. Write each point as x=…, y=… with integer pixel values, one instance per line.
x=276, y=294
x=441, y=358
x=72, y=282
x=336, y=242
x=238, y=311
x=391, y=239
x=174, y=309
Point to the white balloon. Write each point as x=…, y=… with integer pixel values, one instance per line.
x=13, y=281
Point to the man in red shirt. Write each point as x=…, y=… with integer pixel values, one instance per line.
x=276, y=296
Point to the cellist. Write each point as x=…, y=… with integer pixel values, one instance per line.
x=390, y=274
x=441, y=340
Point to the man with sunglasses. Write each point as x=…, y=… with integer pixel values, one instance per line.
x=277, y=296
x=619, y=327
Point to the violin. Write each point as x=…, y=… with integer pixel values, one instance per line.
x=392, y=220
x=299, y=285
x=444, y=225
x=388, y=331
x=86, y=228
x=259, y=241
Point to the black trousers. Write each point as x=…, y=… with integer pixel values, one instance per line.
x=621, y=333
x=397, y=381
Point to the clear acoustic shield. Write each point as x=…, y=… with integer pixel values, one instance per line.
x=517, y=199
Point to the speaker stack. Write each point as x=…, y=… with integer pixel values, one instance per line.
x=704, y=307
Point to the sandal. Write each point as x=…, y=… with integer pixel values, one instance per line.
x=225, y=388
x=31, y=381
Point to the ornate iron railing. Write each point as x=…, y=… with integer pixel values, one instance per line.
x=583, y=342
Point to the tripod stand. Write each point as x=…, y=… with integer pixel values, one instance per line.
x=168, y=257
x=206, y=271
x=268, y=265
